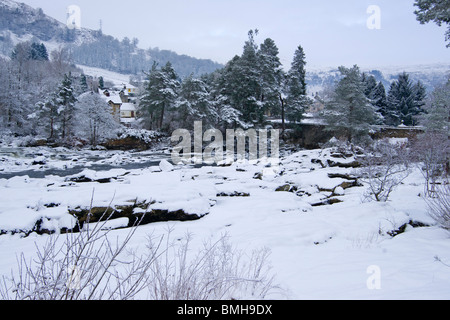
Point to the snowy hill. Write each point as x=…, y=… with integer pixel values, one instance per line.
x=20, y=22
x=430, y=75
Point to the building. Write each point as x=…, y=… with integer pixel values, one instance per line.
x=122, y=108
x=127, y=114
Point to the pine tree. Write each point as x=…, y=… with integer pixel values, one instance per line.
x=101, y=83
x=437, y=116
x=225, y=115
x=159, y=96
x=379, y=100
x=248, y=78
x=193, y=103
x=436, y=11
x=371, y=84
x=271, y=76
x=405, y=101
x=420, y=95
x=66, y=107
x=296, y=92
x=83, y=84
x=350, y=112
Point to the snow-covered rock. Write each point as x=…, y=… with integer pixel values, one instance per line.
x=166, y=166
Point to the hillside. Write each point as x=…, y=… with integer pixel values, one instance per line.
x=20, y=22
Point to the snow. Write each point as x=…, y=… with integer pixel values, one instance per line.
x=117, y=79
x=317, y=252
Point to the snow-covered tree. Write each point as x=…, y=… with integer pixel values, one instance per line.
x=405, y=101
x=49, y=116
x=379, y=100
x=437, y=116
x=94, y=120
x=159, y=96
x=83, y=83
x=193, y=103
x=247, y=76
x=350, y=112
x=296, y=92
x=224, y=114
x=271, y=76
x=436, y=11
x=65, y=100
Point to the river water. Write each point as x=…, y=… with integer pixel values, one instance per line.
x=42, y=162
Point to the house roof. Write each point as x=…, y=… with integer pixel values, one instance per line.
x=128, y=107
x=113, y=97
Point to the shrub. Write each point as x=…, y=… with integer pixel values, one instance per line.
x=439, y=205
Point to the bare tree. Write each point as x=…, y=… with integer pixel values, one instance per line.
x=384, y=168
x=432, y=153
x=218, y=271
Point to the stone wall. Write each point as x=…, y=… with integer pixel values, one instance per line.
x=312, y=136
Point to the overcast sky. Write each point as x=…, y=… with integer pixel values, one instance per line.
x=332, y=32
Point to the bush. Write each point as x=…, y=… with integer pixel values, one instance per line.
x=439, y=205
x=384, y=168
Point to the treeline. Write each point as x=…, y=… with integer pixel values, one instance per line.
x=248, y=90
x=124, y=56
x=253, y=88
x=42, y=95
x=358, y=102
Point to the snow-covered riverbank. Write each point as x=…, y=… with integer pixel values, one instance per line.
x=325, y=239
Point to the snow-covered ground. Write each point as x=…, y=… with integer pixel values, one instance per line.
x=340, y=251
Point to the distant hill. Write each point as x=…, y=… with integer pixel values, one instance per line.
x=20, y=22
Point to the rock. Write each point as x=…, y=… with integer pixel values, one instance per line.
x=339, y=191
x=233, y=194
x=327, y=202
x=318, y=161
x=166, y=166
x=353, y=164
x=258, y=176
x=342, y=176
x=349, y=184
x=286, y=188
x=39, y=161
x=137, y=213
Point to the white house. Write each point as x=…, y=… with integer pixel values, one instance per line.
x=127, y=113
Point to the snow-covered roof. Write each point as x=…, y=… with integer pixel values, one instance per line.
x=113, y=97
x=128, y=107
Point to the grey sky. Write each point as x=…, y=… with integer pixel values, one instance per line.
x=332, y=33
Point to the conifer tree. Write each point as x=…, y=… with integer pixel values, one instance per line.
x=65, y=100
x=350, y=112
x=436, y=11
x=379, y=100
x=248, y=79
x=83, y=83
x=296, y=92
x=271, y=76
x=405, y=101
x=193, y=103
x=159, y=96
